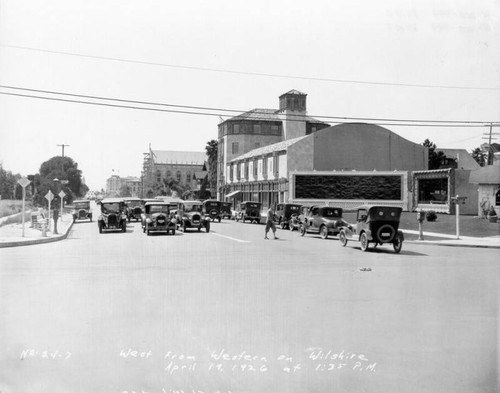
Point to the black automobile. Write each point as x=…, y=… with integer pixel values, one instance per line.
x=191, y=216
x=249, y=211
x=225, y=210
x=134, y=208
x=212, y=209
x=298, y=218
x=159, y=218
x=283, y=213
x=112, y=215
x=377, y=225
x=323, y=220
x=81, y=210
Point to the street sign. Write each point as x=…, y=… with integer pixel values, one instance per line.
x=62, y=194
x=49, y=196
x=23, y=182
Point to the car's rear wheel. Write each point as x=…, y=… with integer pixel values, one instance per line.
x=302, y=230
x=398, y=244
x=323, y=232
x=364, y=241
x=343, y=238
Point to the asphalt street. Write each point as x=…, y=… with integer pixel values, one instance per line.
x=227, y=311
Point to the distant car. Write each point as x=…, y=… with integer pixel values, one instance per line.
x=375, y=224
x=159, y=218
x=143, y=215
x=283, y=213
x=112, y=215
x=191, y=216
x=212, y=209
x=225, y=210
x=134, y=208
x=81, y=210
x=323, y=220
x=249, y=211
x=297, y=218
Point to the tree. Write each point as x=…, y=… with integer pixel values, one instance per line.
x=478, y=155
x=63, y=169
x=125, y=191
x=9, y=189
x=435, y=157
x=212, y=153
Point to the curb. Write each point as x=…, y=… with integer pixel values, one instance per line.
x=437, y=243
x=38, y=241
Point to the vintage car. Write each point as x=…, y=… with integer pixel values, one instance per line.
x=81, y=210
x=249, y=211
x=225, y=210
x=191, y=216
x=283, y=213
x=134, y=208
x=159, y=218
x=143, y=215
x=212, y=209
x=297, y=218
x=112, y=215
x=324, y=220
x=377, y=225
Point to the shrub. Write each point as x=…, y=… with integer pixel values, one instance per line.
x=431, y=215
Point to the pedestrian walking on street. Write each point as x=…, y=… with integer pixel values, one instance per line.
x=270, y=222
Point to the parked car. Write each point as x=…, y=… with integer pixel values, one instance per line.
x=212, y=209
x=81, y=210
x=283, y=213
x=249, y=211
x=225, y=210
x=159, y=218
x=112, y=215
x=297, y=218
x=191, y=216
x=377, y=225
x=134, y=208
x=324, y=220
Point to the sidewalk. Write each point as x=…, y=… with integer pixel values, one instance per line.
x=11, y=235
x=440, y=239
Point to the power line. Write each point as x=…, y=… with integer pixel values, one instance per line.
x=193, y=68
x=242, y=116
x=218, y=114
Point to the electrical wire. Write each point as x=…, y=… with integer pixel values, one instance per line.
x=449, y=123
x=262, y=74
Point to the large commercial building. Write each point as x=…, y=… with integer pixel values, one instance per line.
x=306, y=161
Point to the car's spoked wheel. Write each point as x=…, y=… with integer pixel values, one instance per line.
x=302, y=230
x=343, y=238
x=323, y=232
x=364, y=241
x=398, y=244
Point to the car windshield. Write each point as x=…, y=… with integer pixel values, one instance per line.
x=384, y=214
x=294, y=208
x=335, y=213
x=211, y=204
x=110, y=208
x=158, y=209
x=133, y=203
x=252, y=205
x=192, y=208
x=82, y=205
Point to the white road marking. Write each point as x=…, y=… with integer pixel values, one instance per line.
x=231, y=238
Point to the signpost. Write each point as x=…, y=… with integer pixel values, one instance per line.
x=62, y=194
x=23, y=182
x=49, y=196
x=458, y=200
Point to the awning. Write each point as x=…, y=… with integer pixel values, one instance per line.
x=233, y=194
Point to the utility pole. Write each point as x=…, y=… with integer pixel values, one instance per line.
x=490, y=150
x=63, y=145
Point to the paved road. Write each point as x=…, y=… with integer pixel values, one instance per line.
x=229, y=311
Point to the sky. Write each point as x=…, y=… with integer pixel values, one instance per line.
x=393, y=59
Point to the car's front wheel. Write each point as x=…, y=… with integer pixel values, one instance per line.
x=302, y=230
x=343, y=238
x=364, y=241
x=323, y=232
